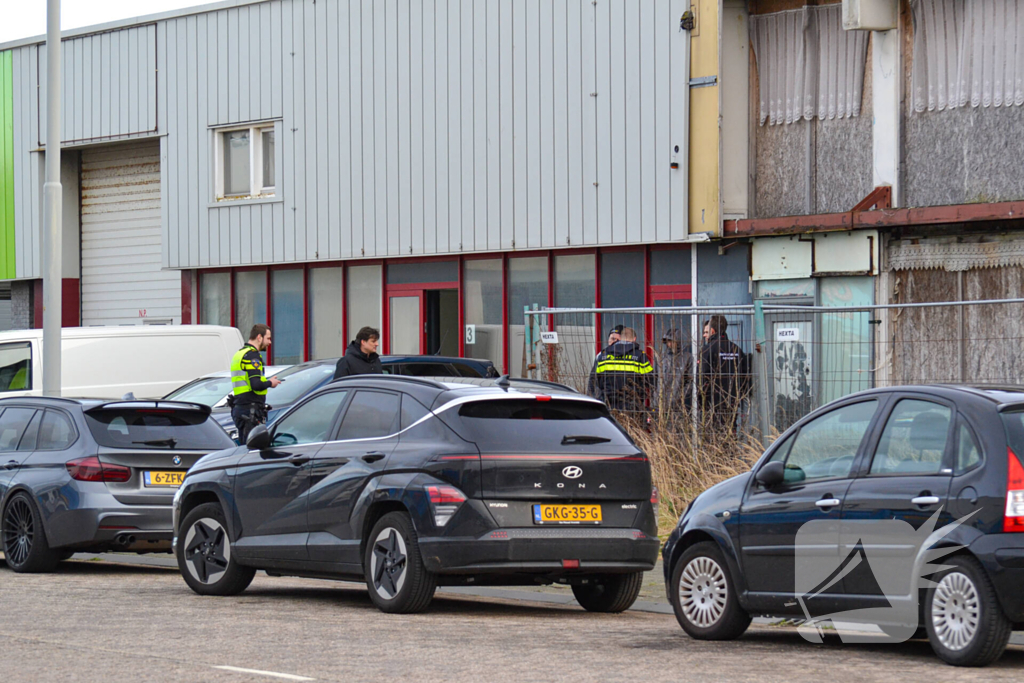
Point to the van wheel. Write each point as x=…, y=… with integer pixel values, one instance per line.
x=966, y=626
x=614, y=593
x=395, y=576
x=24, y=539
x=703, y=595
x=204, y=554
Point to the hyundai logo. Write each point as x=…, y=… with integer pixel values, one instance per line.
x=572, y=472
x=176, y=460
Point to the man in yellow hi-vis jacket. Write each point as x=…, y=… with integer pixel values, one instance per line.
x=622, y=375
x=248, y=385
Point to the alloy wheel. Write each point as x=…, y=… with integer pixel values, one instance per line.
x=207, y=550
x=956, y=611
x=18, y=531
x=703, y=591
x=388, y=563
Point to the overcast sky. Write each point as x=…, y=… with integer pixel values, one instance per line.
x=27, y=18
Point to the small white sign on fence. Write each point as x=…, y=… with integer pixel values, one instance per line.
x=470, y=334
x=549, y=337
x=787, y=334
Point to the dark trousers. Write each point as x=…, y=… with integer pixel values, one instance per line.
x=246, y=417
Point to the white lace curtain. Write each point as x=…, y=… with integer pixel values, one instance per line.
x=807, y=65
x=968, y=52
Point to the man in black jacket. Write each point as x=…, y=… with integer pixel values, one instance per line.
x=361, y=355
x=720, y=363
x=622, y=376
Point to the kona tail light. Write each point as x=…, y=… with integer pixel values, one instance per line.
x=655, y=500
x=444, y=502
x=1013, y=520
x=91, y=469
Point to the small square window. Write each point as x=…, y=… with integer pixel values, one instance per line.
x=246, y=160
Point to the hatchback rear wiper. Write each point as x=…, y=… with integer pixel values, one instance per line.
x=170, y=441
x=583, y=439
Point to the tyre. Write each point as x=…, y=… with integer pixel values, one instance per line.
x=395, y=576
x=614, y=593
x=966, y=626
x=704, y=597
x=204, y=554
x=24, y=540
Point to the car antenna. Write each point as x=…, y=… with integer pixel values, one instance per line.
x=503, y=382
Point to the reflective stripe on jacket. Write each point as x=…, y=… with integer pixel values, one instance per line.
x=247, y=378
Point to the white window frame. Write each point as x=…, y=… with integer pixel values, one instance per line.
x=257, y=190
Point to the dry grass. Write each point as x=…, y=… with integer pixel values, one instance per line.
x=684, y=463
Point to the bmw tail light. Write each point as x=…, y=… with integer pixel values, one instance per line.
x=444, y=502
x=91, y=469
x=1013, y=520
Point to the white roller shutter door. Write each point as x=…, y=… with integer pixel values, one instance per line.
x=122, y=282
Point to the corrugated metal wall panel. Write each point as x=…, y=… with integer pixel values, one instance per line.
x=27, y=178
x=122, y=281
x=109, y=85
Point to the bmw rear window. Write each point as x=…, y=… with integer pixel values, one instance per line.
x=528, y=424
x=156, y=429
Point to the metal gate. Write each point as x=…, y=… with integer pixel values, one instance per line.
x=122, y=282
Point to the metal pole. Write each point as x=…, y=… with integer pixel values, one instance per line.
x=52, y=208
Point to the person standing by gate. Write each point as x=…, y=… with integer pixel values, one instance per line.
x=248, y=398
x=622, y=375
x=361, y=356
x=720, y=364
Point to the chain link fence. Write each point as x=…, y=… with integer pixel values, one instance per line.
x=785, y=361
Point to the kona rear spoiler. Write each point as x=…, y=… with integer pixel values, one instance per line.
x=151, y=405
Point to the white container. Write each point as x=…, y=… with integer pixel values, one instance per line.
x=108, y=362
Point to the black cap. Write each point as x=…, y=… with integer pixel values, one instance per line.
x=617, y=329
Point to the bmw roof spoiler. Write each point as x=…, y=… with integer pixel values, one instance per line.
x=134, y=404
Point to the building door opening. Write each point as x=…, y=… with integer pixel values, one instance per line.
x=424, y=322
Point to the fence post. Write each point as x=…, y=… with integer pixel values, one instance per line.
x=760, y=342
x=527, y=342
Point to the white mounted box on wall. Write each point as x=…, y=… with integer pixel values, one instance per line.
x=870, y=15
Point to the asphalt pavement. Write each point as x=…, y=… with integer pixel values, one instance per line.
x=126, y=618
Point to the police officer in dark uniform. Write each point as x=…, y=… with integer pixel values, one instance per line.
x=721, y=364
x=622, y=375
x=248, y=398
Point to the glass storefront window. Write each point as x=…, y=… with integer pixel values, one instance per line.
x=575, y=287
x=670, y=266
x=326, y=337
x=215, y=299
x=364, y=298
x=481, y=291
x=287, y=326
x=250, y=300
x=527, y=285
x=622, y=286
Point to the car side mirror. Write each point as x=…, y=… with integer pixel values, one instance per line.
x=259, y=438
x=771, y=475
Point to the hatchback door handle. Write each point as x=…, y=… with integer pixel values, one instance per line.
x=828, y=502
x=373, y=457
x=925, y=500
x=299, y=460
x=11, y=465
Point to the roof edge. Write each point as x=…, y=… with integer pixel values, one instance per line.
x=132, y=21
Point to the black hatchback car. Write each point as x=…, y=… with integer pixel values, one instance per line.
x=410, y=483
x=915, y=496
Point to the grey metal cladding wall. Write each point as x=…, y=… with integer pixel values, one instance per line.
x=428, y=126
x=109, y=85
x=28, y=179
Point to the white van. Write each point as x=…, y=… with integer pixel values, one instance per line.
x=108, y=362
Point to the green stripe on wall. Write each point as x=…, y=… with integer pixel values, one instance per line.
x=7, y=261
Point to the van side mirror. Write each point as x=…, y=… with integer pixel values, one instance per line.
x=771, y=475
x=259, y=438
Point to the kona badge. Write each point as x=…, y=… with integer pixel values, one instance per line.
x=572, y=472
